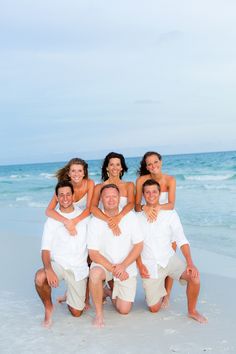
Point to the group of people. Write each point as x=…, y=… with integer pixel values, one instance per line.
x=96, y=237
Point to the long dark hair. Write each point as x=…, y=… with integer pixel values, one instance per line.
x=113, y=155
x=143, y=165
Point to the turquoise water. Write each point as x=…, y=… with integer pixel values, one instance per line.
x=206, y=193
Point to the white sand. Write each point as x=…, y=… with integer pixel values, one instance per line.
x=169, y=331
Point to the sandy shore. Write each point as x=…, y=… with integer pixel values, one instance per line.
x=169, y=331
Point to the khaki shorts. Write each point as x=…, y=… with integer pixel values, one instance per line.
x=155, y=288
x=76, y=290
x=124, y=290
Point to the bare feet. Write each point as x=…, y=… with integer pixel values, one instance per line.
x=99, y=321
x=107, y=292
x=197, y=316
x=61, y=299
x=87, y=305
x=165, y=302
x=48, y=316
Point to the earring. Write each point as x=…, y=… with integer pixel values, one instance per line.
x=108, y=175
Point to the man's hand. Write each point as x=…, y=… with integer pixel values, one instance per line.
x=143, y=271
x=70, y=226
x=192, y=271
x=120, y=272
x=52, y=278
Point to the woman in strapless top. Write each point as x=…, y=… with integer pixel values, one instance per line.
x=151, y=168
x=113, y=169
x=76, y=171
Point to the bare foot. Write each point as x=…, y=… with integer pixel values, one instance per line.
x=165, y=302
x=106, y=293
x=61, y=299
x=87, y=305
x=99, y=321
x=198, y=317
x=48, y=316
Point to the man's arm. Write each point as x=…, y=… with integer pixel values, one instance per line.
x=191, y=269
x=52, y=278
x=132, y=256
x=142, y=268
x=98, y=258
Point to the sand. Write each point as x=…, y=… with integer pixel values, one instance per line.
x=169, y=331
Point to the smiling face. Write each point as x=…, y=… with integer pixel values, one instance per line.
x=110, y=198
x=114, y=167
x=65, y=199
x=151, y=195
x=76, y=173
x=153, y=164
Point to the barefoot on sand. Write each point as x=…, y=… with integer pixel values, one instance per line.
x=165, y=302
x=48, y=317
x=98, y=322
x=198, y=317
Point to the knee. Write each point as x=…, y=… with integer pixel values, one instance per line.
x=153, y=309
x=74, y=312
x=123, y=311
x=195, y=281
x=96, y=275
x=40, y=277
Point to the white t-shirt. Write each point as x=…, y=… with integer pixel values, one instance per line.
x=68, y=251
x=158, y=235
x=115, y=248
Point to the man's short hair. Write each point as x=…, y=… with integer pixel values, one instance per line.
x=151, y=182
x=64, y=183
x=110, y=185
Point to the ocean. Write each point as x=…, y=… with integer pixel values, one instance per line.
x=206, y=193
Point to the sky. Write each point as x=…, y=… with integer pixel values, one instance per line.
x=82, y=78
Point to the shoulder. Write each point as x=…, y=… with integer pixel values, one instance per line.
x=90, y=183
x=169, y=179
x=141, y=179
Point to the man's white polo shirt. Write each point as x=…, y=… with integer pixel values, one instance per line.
x=68, y=251
x=115, y=248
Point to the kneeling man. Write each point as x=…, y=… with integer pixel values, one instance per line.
x=158, y=259
x=64, y=257
x=113, y=256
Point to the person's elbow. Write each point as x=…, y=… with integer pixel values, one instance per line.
x=93, y=254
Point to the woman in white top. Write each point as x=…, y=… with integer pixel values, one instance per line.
x=76, y=171
x=113, y=169
x=150, y=168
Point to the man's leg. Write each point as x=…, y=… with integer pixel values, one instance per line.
x=44, y=291
x=193, y=288
x=123, y=295
x=96, y=277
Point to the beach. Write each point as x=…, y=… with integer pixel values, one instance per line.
x=206, y=199
x=169, y=331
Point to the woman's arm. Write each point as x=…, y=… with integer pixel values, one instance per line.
x=171, y=183
x=86, y=211
x=52, y=213
x=95, y=210
x=138, y=197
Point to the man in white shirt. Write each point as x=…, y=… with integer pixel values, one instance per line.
x=158, y=259
x=64, y=257
x=113, y=256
